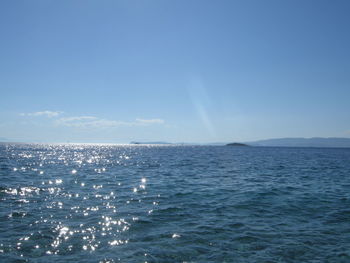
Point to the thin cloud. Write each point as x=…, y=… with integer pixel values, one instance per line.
x=78, y=118
x=94, y=122
x=46, y=113
x=150, y=121
x=87, y=122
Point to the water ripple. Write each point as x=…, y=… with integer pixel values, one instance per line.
x=108, y=203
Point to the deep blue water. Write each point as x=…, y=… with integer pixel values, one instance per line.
x=90, y=203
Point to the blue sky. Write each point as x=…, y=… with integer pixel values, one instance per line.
x=178, y=71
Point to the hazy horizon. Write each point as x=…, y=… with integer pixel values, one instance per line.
x=278, y=142
x=174, y=71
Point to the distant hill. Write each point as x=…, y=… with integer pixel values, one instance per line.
x=304, y=142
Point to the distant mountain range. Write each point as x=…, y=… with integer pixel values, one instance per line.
x=303, y=142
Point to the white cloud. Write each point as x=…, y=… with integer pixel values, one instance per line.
x=90, y=121
x=94, y=122
x=79, y=118
x=46, y=113
x=87, y=122
x=150, y=121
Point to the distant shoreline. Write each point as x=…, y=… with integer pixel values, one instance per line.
x=238, y=145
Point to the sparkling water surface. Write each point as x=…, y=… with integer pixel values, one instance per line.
x=105, y=203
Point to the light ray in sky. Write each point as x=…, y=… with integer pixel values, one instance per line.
x=201, y=103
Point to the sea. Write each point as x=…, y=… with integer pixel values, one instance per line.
x=173, y=203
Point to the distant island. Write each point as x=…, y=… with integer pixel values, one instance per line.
x=236, y=144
